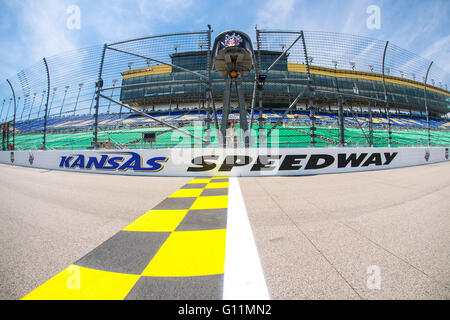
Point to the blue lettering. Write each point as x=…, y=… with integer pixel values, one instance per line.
x=113, y=163
x=97, y=164
x=154, y=164
x=79, y=162
x=65, y=162
x=133, y=163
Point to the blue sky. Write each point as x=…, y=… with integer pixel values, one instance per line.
x=30, y=30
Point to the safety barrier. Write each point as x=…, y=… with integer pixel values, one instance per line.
x=226, y=162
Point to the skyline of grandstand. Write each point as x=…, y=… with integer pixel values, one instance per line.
x=414, y=25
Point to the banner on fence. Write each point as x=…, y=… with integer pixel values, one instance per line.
x=226, y=162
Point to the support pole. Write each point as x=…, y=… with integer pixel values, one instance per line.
x=225, y=110
x=311, y=105
x=369, y=106
x=426, y=104
x=7, y=136
x=242, y=112
x=14, y=118
x=3, y=127
x=386, y=100
x=208, y=94
x=44, y=146
x=312, y=117
x=3, y=106
x=260, y=84
x=341, y=122
x=98, y=86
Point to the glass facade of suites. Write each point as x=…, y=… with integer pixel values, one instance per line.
x=178, y=85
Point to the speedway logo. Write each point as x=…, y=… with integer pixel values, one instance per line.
x=113, y=161
x=292, y=161
x=232, y=40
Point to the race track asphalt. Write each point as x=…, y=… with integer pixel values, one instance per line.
x=318, y=237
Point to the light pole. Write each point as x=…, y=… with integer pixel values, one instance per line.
x=42, y=100
x=112, y=92
x=78, y=96
x=335, y=63
x=24, y=101
x=62, y=104
x=51, y=102
x=32, y=104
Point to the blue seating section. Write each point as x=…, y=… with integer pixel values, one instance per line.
x=111, y=121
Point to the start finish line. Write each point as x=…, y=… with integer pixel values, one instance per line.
x=226, y=162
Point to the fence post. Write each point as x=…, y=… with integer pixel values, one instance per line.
x=369, y=106
x=426, y=104
x=3, y=106
x=311, y=105
x=208, y=88
x=341, y=122
x=99, y=86
x=260, y=86
x=386, y=100
x=46, y=105
x=14, y=118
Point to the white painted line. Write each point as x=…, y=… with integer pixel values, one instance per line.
x=244, y=277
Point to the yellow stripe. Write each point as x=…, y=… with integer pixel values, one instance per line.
x=186, y=193
x=210, y=202
x=217, y=185
x=341, y=73
x=157, y=221
x=199, y=181
x=79, y=283
x=158, y=69
x=190, y=253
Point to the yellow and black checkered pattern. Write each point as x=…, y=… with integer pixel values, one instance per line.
x=174, y=251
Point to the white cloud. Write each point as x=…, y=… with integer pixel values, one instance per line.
x=276, y=14
x=439, y=51
x=43, y=28
x=440, y=48
x=164, y=11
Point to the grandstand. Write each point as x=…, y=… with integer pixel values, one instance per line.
x=305, y=89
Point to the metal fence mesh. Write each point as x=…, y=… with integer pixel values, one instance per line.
x=174, y=83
